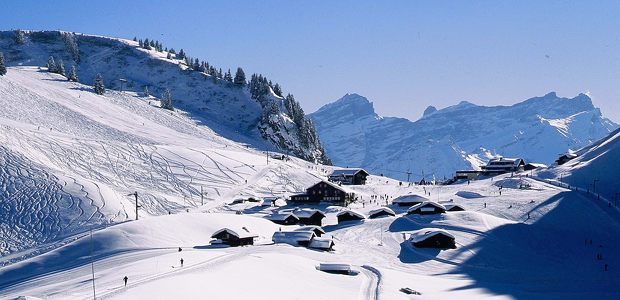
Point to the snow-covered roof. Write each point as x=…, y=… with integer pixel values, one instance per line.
x=382, y=209
x=313, y=228
x=307, y=212
x=240, y=232
x=292, y=237
x=346, y=172
x=321, y=243
x=339, y=187
x=425, y=233
x=411, y=198
x=280, y=217
x=351, y=213
x=426, y=203
x=452, y=205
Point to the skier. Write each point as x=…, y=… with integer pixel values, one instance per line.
x=606, y=265
x=181, y=262
x=180, y=249
x=125, y=279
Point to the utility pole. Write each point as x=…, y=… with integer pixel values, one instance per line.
x=408, y=175
x=594, y=186
x=137, y=206
x=122, y=80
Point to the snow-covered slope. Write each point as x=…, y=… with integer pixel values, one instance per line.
x=463, y=136
x=71, y=157
x=225, y=107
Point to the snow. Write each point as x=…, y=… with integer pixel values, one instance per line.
x=529, y=242
x=425, y=233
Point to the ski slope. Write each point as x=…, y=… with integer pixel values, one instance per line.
x=63, y=176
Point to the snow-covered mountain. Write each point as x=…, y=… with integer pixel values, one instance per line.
x=228, y=108
x=463, y=136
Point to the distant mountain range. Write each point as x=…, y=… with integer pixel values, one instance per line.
x=462, y=136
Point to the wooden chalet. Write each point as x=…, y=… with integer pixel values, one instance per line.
x=294, y=238
x=427, y=208
x=409, y=200
x=235, y=237
x=349, y=215
x=564, y=158
x=325, y=244
x=433, y=238
x=318, y=230
x=454, y=207
x=349, y=176
x=325, y=191
x=502, y=165
x=381, y=212
x=283, y=218
x=309, y=216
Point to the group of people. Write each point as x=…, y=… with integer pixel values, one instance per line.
x=127, y=278
x=599, y=256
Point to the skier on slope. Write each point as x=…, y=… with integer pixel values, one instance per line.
x=125, y=279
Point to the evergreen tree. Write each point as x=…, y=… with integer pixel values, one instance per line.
x=73, y=75
x=51, y=64
x=173, y=51
x=71, y=46
x=19, y=37
x=181, y=54
x=147, y=44
x=140, y=43
x=60, y=68
x=98, y=87
x=239, y=76
x=146, y=91
x=135, y=39
x=228, y=76
x=277, y=90
x=166, y=100
x=2, y=65
x=169, y=56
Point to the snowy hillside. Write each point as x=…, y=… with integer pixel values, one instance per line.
x=463, y=136
x=71, y=157
x=225, y=107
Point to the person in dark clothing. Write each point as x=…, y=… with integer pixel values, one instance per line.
x=125, y=279
x=606, y=265
x=180, y=249
x=181, y=262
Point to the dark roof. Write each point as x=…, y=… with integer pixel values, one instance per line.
x=348, y=172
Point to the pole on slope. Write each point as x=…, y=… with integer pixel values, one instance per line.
x=122, y=80
x=92, y=263
x=137, y=206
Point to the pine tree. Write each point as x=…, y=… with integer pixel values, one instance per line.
x=181, y=54
x=277, y=90
x=140, y=43
x=73, y=75
x=2, y=65
x=19, y=37
x=146, y=91
x=228, y=76
x=166, y=100
x=98, y=87
x=60, y=68
x=239, y=76
x=135, y=39
x=51, y=64
x=169, y=56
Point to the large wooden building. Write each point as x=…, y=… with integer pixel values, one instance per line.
x=234, y=237
x=325, y=191
x=349, y=176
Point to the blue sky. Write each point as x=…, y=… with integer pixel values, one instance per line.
x=401, y=55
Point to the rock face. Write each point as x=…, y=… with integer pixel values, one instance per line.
x=463, y=136
x=227, y=108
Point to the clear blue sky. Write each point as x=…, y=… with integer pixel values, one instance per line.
x=401, y=55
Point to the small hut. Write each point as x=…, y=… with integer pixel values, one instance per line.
x=309, y=216
x=325, y=244
x=235, y=237
x=318, y=231
x=380, y=212
x=409, y=200
x=294, y=238
x=427, y=208
x=349, y=215
x=454, y=207
x=433, y=238
x=283, y=219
